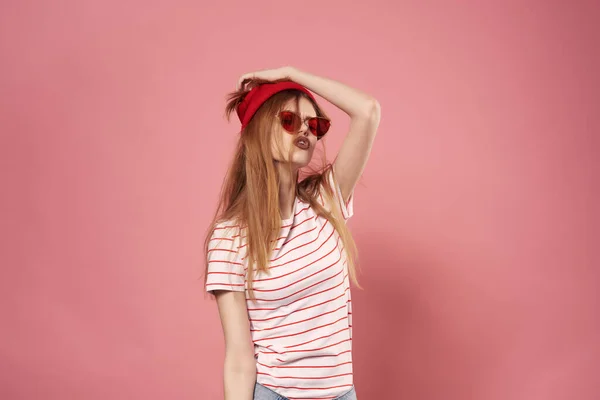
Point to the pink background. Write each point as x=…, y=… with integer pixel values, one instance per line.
x=477, y=218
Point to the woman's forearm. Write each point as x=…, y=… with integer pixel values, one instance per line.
x=239, y=379
x=352, y=101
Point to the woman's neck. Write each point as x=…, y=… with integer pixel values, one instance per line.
x=287, y=189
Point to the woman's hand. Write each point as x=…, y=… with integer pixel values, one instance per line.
x=266, y=74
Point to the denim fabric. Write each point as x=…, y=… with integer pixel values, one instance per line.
x=264, y=393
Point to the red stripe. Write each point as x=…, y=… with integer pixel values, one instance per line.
x=300, y=223
x=300, y=258
x=304, y=366
x=295, y=215
x=287, y=226
x=314, y=340
x=297, y=322
x=224, y=273
x=301, y=290
x=227, y=250
x=304, y=388
x=230, y=239
x=307, y=276
x=284, y=237
x=296, y=334
x=279, y=248
x=292, y=229
x=225, y=262
x=224, y=284
x=301, y=298
x=325, y=355
x=300, y=309
x=302, y=351
x=302, y=245
x=227, y=227
x=295, y=237
x=304, y=377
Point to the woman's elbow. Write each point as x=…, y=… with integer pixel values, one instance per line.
x=240, y=364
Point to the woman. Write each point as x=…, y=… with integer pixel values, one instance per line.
x=279, y=255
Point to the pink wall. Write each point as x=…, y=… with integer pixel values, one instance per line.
x=477, y=218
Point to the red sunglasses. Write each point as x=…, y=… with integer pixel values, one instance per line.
x=292, y=122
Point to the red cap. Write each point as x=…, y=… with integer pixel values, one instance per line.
x=259, y=94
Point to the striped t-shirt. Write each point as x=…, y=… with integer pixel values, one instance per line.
x=301, y=323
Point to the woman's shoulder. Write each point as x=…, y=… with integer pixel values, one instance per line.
x=226, y=236
x=226, y=228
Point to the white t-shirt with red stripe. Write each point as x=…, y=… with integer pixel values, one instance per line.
x=301, y=323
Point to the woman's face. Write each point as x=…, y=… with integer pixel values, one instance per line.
x=302, y=143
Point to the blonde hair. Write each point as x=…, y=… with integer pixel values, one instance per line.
x=250, y=192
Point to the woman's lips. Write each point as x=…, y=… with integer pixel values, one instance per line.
x=302, y=143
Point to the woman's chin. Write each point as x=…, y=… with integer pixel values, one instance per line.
x=300, y=162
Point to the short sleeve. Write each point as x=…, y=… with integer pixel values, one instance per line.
x=347, y=207
x=225, y=268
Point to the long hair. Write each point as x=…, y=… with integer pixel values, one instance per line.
x=250, y=192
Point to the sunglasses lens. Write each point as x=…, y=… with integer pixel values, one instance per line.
x=289, y=121
x=319, y=126
x=292, y=122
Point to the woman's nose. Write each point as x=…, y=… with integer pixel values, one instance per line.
x=304, y=128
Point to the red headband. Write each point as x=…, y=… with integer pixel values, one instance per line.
x=258, y=95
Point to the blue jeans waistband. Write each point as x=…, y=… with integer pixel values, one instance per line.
x=264, y=393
